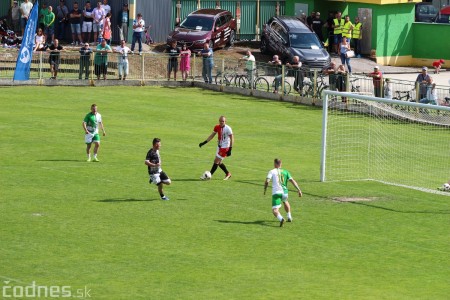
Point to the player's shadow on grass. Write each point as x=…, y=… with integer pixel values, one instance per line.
x=431, y=212
x=257, y=222
x=121, y=200
x=60, y=160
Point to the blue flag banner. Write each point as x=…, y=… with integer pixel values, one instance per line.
x=23, y=63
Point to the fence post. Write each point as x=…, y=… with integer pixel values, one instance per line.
x=142, y=69
x=417, y=91
x=283, y=70
x=315, y=86
x=347, y=83
x=91, y=57
x=40, y=66
x=194, y=67
x=222, y=71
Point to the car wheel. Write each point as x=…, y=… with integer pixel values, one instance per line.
x=263, y=46
x=230, y=42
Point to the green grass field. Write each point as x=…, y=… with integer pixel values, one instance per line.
x=100, y=227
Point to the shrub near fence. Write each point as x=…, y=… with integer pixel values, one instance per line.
x=227, y=72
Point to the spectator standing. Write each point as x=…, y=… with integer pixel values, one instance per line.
x=185, y=62
x=55, y=57
x=225, y=144
x=377, y=78
x=347, y=29
x=387, y=89
x=42, y=13
x=331, y=71
x=25, y=10
x=344, y=47
x=310, y=18
x=15, y=17
x=277, y=65
x=423, y=79
x=208, y=62
x=431, y=97
x=330, y=32
x=341, y=75
x=437, y=65
x=250, y=67
x=280, y=178
x=98, y=14
x=106, y=7
x=62, y=18
x=338, y=24
x=107, y=32
x=85, y=61
x=49, y=26
x=295, y=65
x=317, y=25
x=75, y=24
x=357, y=36
x=123, y=19
x=157, y=175
x=87, y=21
x=101, y=59
x=172, y=64
x=138, y=30
x=92, y=121
x=122, y=51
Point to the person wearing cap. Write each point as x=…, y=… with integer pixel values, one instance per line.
x=377, y=78
x=14, y=14
x=437, y=65
x=422, y=80
x=123, y=19
x=85, y=55
x=317, y=25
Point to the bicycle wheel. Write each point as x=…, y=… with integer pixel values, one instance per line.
x=243, y=82
x=261, y=84
x=218, y=79
x=287, y=88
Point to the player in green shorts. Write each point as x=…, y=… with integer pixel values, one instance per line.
x=92, y=121
x=280, y=178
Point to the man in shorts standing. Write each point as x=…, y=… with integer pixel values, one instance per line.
x=225, y=144
x=280, y=178
x=172, y=64
x=97, y=26
x=91, y=123
x=157, y=175
x=87, y=22
x=55, y=57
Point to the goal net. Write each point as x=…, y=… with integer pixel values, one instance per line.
x=390, y=141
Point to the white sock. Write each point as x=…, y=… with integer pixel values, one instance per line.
x=289, y=215
x=89, y=155
x=279, y=217
x=95, y=155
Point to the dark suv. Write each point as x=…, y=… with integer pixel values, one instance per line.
x=288, y=36
x=214, y=26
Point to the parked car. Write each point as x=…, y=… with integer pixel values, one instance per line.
x=214, y=26
x=288, y=36
x=443, y=16
x=425, y=12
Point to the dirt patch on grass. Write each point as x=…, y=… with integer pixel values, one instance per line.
x=354, y=199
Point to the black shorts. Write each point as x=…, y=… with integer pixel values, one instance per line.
x=172, y=65
x=100, y=69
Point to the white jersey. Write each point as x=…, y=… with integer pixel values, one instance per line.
x=224, y=135
x=275, y=176
x=137, y=22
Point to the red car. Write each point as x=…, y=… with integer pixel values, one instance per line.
x=214, y=26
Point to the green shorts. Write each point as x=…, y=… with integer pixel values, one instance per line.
x=277, y=199
x=95, y=138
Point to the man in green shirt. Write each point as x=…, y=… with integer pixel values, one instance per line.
x=280, y=178
x=49, y=25
x=92, y=121
x=101, y=59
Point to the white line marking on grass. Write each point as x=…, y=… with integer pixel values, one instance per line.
x=9, y=279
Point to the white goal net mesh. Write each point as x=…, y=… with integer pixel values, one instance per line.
x=395, y=142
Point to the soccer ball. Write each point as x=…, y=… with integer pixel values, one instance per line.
x=446, y=187
x=206, y=175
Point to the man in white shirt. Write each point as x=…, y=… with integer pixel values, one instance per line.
x=25, y=10
x=122, y=51
x=138, y=31
x=98, y=14
x=250, y=67
x=106, y=7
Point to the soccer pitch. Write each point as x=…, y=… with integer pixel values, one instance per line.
x=100, y=231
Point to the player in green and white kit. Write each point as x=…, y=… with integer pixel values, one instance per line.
x=91, y=123
x=280, y=178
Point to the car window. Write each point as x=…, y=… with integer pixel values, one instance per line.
x=196, y=23
x=279, y=30
x=228, y=18
x=304, y=41
x=221, y=21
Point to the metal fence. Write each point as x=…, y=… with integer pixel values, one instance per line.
x=227, y=72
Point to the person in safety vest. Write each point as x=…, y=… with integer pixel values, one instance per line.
x=338, y=23
x=357, y=36
x=347, y=29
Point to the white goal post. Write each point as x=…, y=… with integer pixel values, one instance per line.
x=390, y=141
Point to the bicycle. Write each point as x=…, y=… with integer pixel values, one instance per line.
x=400, y=95
x=230, y=75
x=287, y=86
x=260, y=83
x=308, y=87
x=355, y=88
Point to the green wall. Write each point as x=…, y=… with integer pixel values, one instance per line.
x=431, y=41
x=290, y=6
